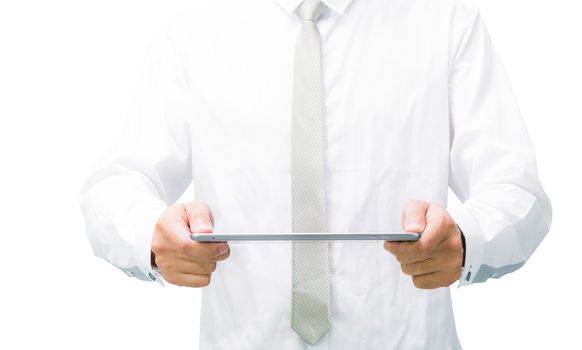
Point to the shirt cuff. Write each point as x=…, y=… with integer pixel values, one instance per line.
x=145, y=223
x=474, y=240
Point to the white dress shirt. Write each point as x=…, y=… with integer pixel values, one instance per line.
x=416, y=101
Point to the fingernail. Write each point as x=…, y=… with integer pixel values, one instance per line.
x=221, y=250
x=413, y=227
x=203, y=227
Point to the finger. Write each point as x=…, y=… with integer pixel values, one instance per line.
x=449, y=243
x=196, y=268
x=198, y=256
x=205, y=252
x=399, y=249
x=222, y=256
x=436, y=279
x=178, y=236
x=435, y=230
x=181, y=265
x=421, y=268
x=174, y=226
x=406, y=252
x=414, y=216
x=188, y=280
x=199, y=216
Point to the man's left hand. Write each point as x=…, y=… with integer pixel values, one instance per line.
x=435, y=259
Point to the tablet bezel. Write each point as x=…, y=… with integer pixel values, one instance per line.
x=303, y=236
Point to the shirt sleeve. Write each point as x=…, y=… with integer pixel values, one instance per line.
x=148, y=170
x=505, y=212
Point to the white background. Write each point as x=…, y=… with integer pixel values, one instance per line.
x=68, y=71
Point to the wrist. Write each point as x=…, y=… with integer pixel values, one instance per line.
x=463, y=247
x=154, y=266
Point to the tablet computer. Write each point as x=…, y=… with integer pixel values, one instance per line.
x=322, y=236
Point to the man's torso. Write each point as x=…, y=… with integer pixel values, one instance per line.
x=386, y=67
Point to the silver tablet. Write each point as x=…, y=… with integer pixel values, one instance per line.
x=375, y=236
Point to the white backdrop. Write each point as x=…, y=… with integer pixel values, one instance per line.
x=68, y=71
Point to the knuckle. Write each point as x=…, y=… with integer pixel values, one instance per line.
x=216, y=251
x=391, y=250
x=221, y=257
x=418, y=282
x=226, y=255
x=422, y=282
x=210, y=267
x=205, y=281
x=220, y=252
x=189, y=283
x=445, y=283
x=406, y=259
x=171, y=278
x=409, y=269
x=181, y=246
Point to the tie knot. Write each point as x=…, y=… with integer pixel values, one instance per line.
x=309, y=10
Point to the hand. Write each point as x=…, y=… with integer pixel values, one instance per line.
x=182, y=261
x=435, y=259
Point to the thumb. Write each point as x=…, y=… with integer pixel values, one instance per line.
x=414, y=216
x=200, y=219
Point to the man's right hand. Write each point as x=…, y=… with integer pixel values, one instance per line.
x=182, y=261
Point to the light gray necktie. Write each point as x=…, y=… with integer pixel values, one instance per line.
x=311, y=311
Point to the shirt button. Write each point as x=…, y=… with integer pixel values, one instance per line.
x=468, y=276
x=151, y=276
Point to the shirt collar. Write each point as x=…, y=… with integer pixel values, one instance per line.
x=338, y=6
